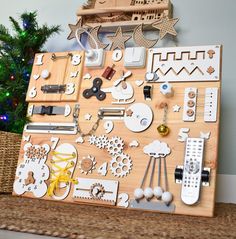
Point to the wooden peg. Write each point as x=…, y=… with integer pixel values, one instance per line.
x=30, y=179
x=163, y=105
x=211, y=53
x=210, y=70
x=124, y=85
x=129, y=113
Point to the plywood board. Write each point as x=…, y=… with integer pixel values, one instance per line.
x=60, y=74
x=127, y=14
x=127, y=184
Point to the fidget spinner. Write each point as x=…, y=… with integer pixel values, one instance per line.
x=97, y=191
x=95, y=90
x=87, y=164
x=115, y=145
x=121, y=165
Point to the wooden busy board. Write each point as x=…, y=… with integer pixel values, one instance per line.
x=106, y=168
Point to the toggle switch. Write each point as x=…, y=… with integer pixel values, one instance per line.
x=135, y=57
x=95, y=58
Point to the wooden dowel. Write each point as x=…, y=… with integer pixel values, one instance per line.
x=160, y=6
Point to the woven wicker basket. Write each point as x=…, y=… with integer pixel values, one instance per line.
x=9, y=151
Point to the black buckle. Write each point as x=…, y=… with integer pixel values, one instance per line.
x=46, y=110
x=147, y=92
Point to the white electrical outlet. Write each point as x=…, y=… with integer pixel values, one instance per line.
x=95, y=59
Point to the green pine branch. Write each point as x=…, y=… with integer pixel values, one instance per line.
x=16, y=58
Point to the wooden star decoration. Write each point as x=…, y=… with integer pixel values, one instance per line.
x=166, y=26
x=118, y=40
x=129, y=113
x=73, y=29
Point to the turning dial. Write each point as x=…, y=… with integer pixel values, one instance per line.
x=97, y=191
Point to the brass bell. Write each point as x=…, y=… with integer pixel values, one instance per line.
x=163, y=130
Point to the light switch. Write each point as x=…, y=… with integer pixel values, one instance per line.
x=135, y=57
x=95, y=58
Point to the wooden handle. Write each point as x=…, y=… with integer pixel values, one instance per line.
x=160, y=6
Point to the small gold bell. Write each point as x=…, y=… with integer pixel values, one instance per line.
x=163, y=130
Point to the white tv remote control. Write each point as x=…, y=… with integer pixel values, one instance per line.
x=193, y=164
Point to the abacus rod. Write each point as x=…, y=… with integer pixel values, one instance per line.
x=152, y=173
x=159, y=172
x=146, y=171
x=165, y=173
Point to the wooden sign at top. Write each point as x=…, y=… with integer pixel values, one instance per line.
x=125, y=13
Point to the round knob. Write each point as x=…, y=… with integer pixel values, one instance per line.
x=151, y=76
x=45, y=74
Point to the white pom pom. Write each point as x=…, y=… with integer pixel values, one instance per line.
x=158, y=192
x=148, y=193
x=45, y=74
x=138, y=193
x=167, y=197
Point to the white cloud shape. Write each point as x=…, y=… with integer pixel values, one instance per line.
x=157, y=149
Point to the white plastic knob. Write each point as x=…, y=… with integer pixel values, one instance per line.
x=148, y=193
x=158, y=192
x=166, y=89
x=167, y=197
x=33, y=92
x=90, y=54
x=138, y=193
x=45, y=74
x=151, y=76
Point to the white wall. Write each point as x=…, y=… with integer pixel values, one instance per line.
x=201, y=22
x=52, y=12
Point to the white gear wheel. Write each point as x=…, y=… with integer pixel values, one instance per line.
x=92, y=139
x=101, y=142
x=121, y=165
x=115, y=146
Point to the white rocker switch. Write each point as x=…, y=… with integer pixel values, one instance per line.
x=135, y=57
x=95, y=58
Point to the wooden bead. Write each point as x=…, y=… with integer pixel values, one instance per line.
x=148, y=193
x=158, y=192
x=138, y=193
x=167, y=197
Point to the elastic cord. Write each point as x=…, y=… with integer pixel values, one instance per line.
x=78, y=39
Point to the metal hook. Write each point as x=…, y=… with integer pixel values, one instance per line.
x=54, y=57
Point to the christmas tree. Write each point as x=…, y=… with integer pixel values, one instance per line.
x=17, y=52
